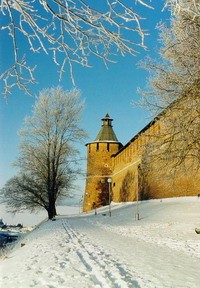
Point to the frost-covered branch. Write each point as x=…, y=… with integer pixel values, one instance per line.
x=175, y=78
x=48, y=154
x=184, y=6
x=68, y=31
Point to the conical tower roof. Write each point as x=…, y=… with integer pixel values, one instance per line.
x=106, y=132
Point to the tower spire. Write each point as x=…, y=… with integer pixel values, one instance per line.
x=106, y=132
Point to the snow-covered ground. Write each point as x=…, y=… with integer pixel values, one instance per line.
x=30, y=219
x=160, y=250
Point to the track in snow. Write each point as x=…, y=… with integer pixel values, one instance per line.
x=104, y=271
x=62, y=257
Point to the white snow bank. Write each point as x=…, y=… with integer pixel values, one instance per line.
x=160, y=250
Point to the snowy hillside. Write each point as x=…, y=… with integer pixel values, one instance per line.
x=160, y=250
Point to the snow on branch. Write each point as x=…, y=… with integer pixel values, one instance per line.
x=191, y=7
x=69, y=31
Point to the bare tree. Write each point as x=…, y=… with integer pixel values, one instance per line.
x=47, y=152
x=70, y=32
x=175, y=83
x=187, y=6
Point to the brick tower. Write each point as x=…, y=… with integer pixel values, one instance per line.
x=99, y=165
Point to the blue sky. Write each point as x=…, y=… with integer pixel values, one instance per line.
x=105, y=91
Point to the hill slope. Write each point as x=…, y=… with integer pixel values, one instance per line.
x=160, y=250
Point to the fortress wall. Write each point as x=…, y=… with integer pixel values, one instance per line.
x=142, y=167
x=160, y=181
x=163, y=183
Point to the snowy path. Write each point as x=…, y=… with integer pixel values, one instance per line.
x=157, y=266
x=102, y=267
x=85, y=251
x=64, y=258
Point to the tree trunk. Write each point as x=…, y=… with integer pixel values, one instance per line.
x=52, y=209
